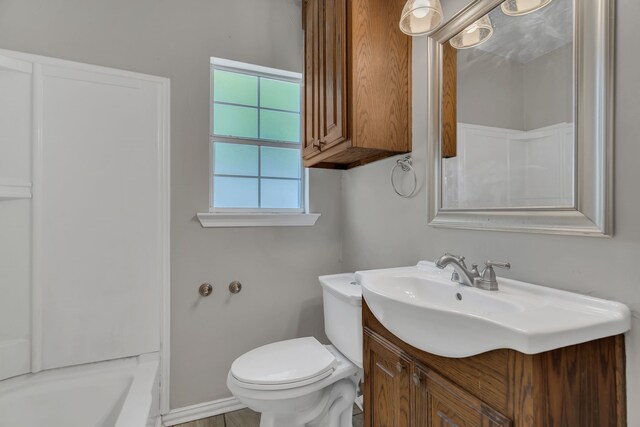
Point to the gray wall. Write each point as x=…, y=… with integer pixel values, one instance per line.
x=548, y=89
x=278, y=266
x=490, y=90
x=497, y=91
x=382, y=230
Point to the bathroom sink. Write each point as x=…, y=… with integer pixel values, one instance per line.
x=423, y=307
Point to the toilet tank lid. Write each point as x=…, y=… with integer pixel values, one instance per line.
x=343, y=286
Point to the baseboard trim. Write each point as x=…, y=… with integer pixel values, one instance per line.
x=201, y=410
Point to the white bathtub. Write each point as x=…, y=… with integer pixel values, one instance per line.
x=117, y=393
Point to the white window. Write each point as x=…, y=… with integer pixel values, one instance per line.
x=256, y=163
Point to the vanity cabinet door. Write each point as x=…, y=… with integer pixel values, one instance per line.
x=387, y=383
x=439, y=403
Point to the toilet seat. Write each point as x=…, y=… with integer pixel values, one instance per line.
x=283, y=386
x=284, y=365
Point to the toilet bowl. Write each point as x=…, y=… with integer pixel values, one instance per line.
x=300, y=382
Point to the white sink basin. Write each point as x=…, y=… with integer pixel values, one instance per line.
x=424, y=308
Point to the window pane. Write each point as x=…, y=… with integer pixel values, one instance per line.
x=279, y=193
x=279, y=95
x=280, y=162
x=279, y=126
x=235, y=159
x=229, y=120
x=235, y=192
x=235, y=88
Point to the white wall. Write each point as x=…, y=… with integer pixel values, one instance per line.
x=383, y=230
x=278, y=267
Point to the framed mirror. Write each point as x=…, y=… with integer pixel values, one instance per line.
x=520, y=117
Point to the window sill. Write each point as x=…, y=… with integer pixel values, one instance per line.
x=218, y=219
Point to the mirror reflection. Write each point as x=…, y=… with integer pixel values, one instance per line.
x=508, y=109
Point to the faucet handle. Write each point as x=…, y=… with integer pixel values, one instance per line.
x=488, y=280
x=505, y=265
x=488, y=274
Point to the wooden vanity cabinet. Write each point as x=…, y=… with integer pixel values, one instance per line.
x=439, y=402
x=357, y=74
x=576, y=386
x=389, y=371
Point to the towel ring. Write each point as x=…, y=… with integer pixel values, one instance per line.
x=406, y=164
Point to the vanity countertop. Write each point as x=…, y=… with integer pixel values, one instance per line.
x=423, y=307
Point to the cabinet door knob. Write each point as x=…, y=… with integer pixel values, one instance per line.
x=416, y=379
x=399, y=367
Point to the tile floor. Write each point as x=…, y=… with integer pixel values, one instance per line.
x=248, y=418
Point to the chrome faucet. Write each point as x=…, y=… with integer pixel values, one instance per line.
x=460, y=272
x=487, y=280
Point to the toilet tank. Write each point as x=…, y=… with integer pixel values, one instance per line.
x=342, y=298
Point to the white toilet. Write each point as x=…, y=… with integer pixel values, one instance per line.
x=300, y=382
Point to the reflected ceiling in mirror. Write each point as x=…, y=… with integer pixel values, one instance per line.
x=508, y=112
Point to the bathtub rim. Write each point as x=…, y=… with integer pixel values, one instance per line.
x=144, y=371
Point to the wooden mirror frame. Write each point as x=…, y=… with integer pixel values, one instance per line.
x=592, y=213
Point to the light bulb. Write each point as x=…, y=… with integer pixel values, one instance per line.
x=522, y=7
x=474, y=35
x=420, y=13
x=420, y=17
x=471, y=29
x=527, y=4
x=420, y=9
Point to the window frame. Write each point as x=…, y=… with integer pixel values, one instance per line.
x=260, y=72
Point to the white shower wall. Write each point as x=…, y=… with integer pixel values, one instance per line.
x=498, y=167
x=16, y=82
x=84, y=244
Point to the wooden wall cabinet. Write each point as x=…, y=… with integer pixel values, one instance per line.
x=357, y=82
x=576, y=386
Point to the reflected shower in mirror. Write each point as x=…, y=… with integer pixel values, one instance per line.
x=508, y=110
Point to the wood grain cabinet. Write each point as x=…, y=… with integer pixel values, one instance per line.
x=357, y=100
x=576, y=386
x=389, y=373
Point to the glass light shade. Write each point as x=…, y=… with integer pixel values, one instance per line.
x=420, y=17
x=522, y=7
x=475, y=34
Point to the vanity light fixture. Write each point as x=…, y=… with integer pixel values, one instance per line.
x=420, y=17
x=475, y=34
x=522, y=7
